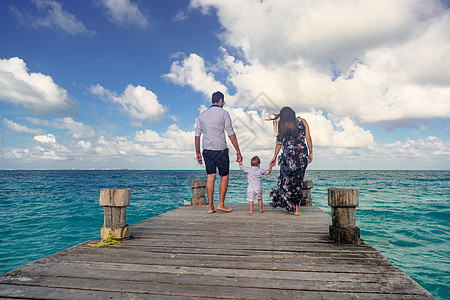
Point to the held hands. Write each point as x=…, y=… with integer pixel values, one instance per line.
x=273, y=162
x=238, y=157
x=310, y=157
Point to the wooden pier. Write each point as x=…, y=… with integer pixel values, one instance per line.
x=190, y=254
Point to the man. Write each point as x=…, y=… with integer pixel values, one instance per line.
x=213, y=123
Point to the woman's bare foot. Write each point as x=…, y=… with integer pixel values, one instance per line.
x=297, y=210
x=224, y=208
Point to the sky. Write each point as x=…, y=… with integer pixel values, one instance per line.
x=119, y=83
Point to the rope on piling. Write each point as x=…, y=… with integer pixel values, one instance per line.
x=110, y=239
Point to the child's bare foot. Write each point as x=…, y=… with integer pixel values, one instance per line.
x=250, y=213
x=261, y=211
x=224, y=208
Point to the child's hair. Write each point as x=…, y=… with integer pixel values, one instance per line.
x=255, y=161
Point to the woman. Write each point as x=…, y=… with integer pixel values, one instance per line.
x=291, y=135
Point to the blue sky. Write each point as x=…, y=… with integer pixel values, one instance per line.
x=119, y=83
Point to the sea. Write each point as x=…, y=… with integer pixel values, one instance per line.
x=403, y=214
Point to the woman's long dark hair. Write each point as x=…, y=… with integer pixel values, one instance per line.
x=285, y=124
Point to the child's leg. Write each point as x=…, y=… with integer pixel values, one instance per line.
x=260, y=205
x=250, y=205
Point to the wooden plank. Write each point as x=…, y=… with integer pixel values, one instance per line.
x=187, y=253
x=104, y=267
x=342, y=255
x=309, y=266
x=42, y=292
x=148, y=283
x=132, y=253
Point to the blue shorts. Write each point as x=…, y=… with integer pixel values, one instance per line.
x=217, y=159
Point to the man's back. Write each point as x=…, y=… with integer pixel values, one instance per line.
x=212, y=123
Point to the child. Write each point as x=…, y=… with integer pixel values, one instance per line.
x=254, y=188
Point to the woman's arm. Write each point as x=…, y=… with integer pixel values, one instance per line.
x=273, y=162
x=308, y=140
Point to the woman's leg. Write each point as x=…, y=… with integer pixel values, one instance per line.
x=297, y=210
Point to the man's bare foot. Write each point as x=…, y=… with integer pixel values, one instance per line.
x=211, y=211
x=250, y=213
x=224, y=208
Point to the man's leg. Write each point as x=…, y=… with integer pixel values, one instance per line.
x=210, y=181
x=223, y=192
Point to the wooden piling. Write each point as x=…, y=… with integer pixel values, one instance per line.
x=306, y=197
x=343, y=204
x=115, y=202
x=198, y=192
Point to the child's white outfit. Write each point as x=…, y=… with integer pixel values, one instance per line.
x=254, y=175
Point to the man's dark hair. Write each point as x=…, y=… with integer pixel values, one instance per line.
x=216, y=97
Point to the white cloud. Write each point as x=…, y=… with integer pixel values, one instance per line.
x=35, y=91
x=340, y=66
x=18, y=129
x=139, y=103
x=336, y=132
x=276, y=32
x=193, y=72
x=77, y=129
x=421, y=148
x=46, y=150
x=149, y=136
x=49, y=138
x=180, y=16
x=125, y=13
x=51, y=15
x=84, y=145
x=174, y=141
x=373, y=60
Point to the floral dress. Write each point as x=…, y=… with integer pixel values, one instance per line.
x=293, y=161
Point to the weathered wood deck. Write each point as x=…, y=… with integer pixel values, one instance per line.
x=187, y=253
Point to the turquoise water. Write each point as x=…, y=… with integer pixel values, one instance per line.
x=403, y=214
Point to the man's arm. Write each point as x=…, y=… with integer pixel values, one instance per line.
x=197, y=150
x=234, y=141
